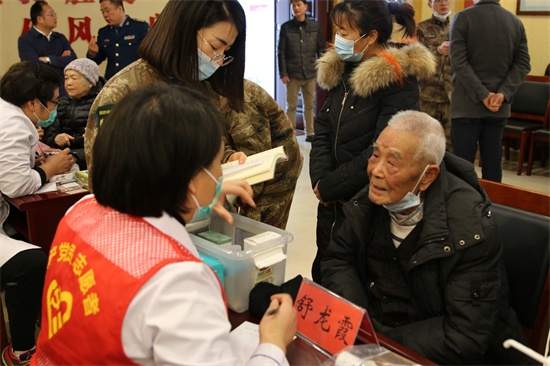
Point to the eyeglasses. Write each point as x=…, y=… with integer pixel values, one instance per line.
x=441, y=1
x=218, y=57
x=53, y=15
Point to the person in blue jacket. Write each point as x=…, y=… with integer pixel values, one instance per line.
x=42, y=45
x=119, y=41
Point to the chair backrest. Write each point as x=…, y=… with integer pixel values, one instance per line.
x=532, y=99
x=522, y=217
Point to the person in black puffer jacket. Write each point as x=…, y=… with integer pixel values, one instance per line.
x=83, y=84
x=368, y=80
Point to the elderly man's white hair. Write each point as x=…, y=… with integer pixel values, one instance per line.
x=431, y=143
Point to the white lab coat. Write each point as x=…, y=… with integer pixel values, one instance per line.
x=18, y=140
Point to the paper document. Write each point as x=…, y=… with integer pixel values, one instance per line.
x=247, y=165
x=244, y=341
x=48, y=187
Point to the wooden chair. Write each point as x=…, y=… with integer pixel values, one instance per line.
x=539, y=135
x=523, y=219
x=530, y=109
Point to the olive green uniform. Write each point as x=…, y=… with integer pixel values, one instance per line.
x=432, y=33
x=263, y=125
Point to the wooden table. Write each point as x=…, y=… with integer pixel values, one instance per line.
x=36, y=216
x=300, y=352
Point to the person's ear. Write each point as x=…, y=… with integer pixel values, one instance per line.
x=431, y=174
x=31, y=105
x=372, y=37
x=430, y=4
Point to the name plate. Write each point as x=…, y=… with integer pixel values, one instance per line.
x=328, y=320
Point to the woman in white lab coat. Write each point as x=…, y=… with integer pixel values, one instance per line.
x=29, y=95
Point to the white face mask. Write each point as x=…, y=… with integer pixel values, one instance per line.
x=441, y=17
x=207, y=67
x=344, y=48
x=410, y=199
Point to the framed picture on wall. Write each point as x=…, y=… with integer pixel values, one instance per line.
x=533, y=7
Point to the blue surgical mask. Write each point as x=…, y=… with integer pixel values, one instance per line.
x=53, y=115
x=441, y=17
x=410, y=199
x=344, y=48
x=203, y=211
x=207, y=67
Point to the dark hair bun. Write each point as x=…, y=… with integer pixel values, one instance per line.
x=393, y=7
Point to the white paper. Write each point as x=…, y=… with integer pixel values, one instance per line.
x=47, y=187
x=246, y=165
x=244, y=341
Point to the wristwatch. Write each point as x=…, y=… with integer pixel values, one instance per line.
x=48, y=60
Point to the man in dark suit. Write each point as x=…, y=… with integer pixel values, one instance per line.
x=42, y=45
x=490, y=59
x=119, y=41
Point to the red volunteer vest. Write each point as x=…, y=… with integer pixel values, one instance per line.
x=98, y=261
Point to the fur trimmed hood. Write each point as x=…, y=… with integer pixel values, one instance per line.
x=390, y=66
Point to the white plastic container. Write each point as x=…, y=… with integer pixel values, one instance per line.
x=243, y=269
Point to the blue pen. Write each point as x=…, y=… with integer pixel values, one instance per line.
x=271, y=312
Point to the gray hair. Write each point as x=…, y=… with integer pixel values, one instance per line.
x=431, y=142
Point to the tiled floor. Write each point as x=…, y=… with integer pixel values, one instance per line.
x=303, y=214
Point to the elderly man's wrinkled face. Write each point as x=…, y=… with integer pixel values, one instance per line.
x=392, y=169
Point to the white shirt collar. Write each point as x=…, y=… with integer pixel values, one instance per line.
x=173, y=228
x=44, y=34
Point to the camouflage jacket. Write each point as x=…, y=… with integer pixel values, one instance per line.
x=262, y=126
x=432, y=33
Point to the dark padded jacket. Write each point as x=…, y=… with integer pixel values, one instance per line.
x=455, y=275
x=72, y=117
x=298, y=49
x=377, y=88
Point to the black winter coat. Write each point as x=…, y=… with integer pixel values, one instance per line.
x=72, y=117
x=362, y=98
x=455, y=275
x=298, y=47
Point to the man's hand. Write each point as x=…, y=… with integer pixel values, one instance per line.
x=443, y=48
x=285, y=80
x=487, y=102
x=66, y=53
x=63, y=139
x=496, y=100
x=93, y=48
x=44, y=59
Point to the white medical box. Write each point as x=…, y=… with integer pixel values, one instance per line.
x=243, y=269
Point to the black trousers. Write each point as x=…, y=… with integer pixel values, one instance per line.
x=22, y=277
x=465, y=135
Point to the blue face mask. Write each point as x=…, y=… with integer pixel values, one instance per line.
x=410, y=199
x=203, y=211
x=53, y=115
x=344, y=48
x=207, y=67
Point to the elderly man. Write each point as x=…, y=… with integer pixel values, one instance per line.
x=420, y=251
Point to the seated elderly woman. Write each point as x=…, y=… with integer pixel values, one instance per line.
x=420, y=251
x=136, y=284
x=83, y=84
